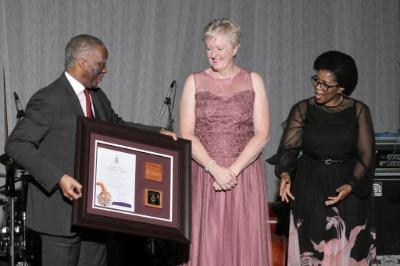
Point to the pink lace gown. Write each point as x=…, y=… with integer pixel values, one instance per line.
x=228, y=228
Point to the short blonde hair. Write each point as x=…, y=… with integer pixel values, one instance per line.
x=224, y=26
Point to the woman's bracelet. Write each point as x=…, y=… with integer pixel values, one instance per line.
x=209, y=164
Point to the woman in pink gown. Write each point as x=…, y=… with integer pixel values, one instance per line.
x=224, y=112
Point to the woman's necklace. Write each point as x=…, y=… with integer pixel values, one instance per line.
x=223, y=83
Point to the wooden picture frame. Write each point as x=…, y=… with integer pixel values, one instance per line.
x=119, y=193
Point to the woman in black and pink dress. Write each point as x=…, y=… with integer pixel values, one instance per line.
x=326, y=162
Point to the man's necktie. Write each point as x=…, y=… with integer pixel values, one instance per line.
x=89, y=112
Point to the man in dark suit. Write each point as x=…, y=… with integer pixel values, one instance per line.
x=44, y=144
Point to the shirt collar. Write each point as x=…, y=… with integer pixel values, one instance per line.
x=76, y=85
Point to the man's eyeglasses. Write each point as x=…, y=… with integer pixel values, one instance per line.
x=322, y=85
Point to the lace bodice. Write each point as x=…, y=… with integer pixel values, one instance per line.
x=224, y=113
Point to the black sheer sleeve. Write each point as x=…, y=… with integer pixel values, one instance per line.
x=364, y=168
x=291, y=140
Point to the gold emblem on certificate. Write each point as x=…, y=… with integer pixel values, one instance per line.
x=153, y=171
x=153, y=198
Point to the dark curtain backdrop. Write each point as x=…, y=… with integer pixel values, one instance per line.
x=154, y=42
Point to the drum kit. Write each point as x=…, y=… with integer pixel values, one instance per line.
x=16, y=241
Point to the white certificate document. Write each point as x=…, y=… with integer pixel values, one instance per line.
x=114, y=180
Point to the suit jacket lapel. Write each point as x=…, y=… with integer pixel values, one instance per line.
x=99, y=112
x=75, y=104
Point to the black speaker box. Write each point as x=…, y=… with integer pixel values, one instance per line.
x=386, y=201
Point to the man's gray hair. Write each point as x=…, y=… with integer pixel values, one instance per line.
x=78, y=47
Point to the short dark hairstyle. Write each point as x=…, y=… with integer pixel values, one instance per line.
x=79, y=46
x=342, y=66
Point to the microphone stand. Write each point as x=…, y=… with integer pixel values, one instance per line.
x=170, y=124
x=172, y=259
x=169, y=104
x=158, y=248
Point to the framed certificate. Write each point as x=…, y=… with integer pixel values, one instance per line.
x=134, y=181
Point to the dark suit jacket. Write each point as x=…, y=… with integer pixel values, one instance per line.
x=43, y=143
